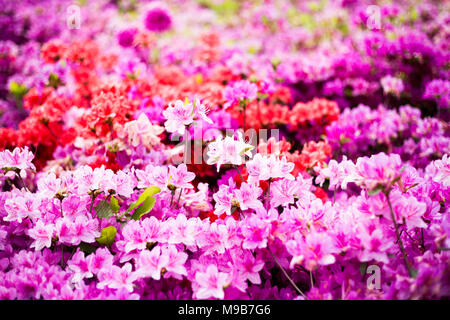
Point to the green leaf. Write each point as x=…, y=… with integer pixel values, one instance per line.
x=19, y=90
x=114, y=203
x=54, y=81
x=146, y=207
x=375, y=191
x=103, y=209
x=150, y=191
x=107, y=235
x=363, y=268
x=87, y=248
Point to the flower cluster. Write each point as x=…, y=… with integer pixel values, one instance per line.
x=224, y=150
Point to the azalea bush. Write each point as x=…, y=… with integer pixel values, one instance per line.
x=224, y=150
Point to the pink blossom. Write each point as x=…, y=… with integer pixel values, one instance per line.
x=379, y=169
x=264, y=168
x=19, y=158
x=135, y=237
x=224, y=199
x=180, y=177
x=124, y=184
x=74, y=231
x=181, y=114
x=240, y=91
x=78, y=264
x=392, y=85
x=175, y=266
x=99, y=260
x=255, y=232
x=410, y=210
x=142, y=131
x=151, y=263
x=211, y=283
x=247, y=196
x=152, y=229
x=49, y=185
x=375, y=244
x=182, y=230
x=339, y=174
x=283, y=192
x=311, y=250
x=42, y=235
x=249, y=267
x=228, y=151
x=24, y=205
x=117, y=278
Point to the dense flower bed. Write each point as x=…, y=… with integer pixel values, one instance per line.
x=224, y=149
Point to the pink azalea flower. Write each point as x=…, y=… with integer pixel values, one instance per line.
x=247, y=196
x=81, y=229
x=124, y=184
x=264, y=168
x=410, y=210
x=339, y=174
x=257, y=169
x=178, y=115
x=379, y=169
x=375, y=244
x=135, y=237
x=181, y=114
x=42, y=235
x=142, y=131
x=19, y=158
x=150, y=263
x=182, y=230
x=255, y=232
x=224, y=199
x=175, y=266
x=152, y=229
x=249, y=267
x=439, y=170
x=228, y=151
x=312, y=250
x=49, y=185
x=117, y=278
x=211, y=283
x=212, y=238
x=161, y=177
x=22, y=206
x=180, y=177
x=79, y=266
x=392, y=85
x=99, y=260
x=242, y=90
x=283, y=192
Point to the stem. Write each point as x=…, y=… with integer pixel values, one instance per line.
x=185, y=158
x=23, y=182
x=287, y=276
x=244, y=117
x=92, y=203
x=239, y=172
x=179, y=196
x=60, y=206
x=268, y=196
x=171, y=198
x=399, y=239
